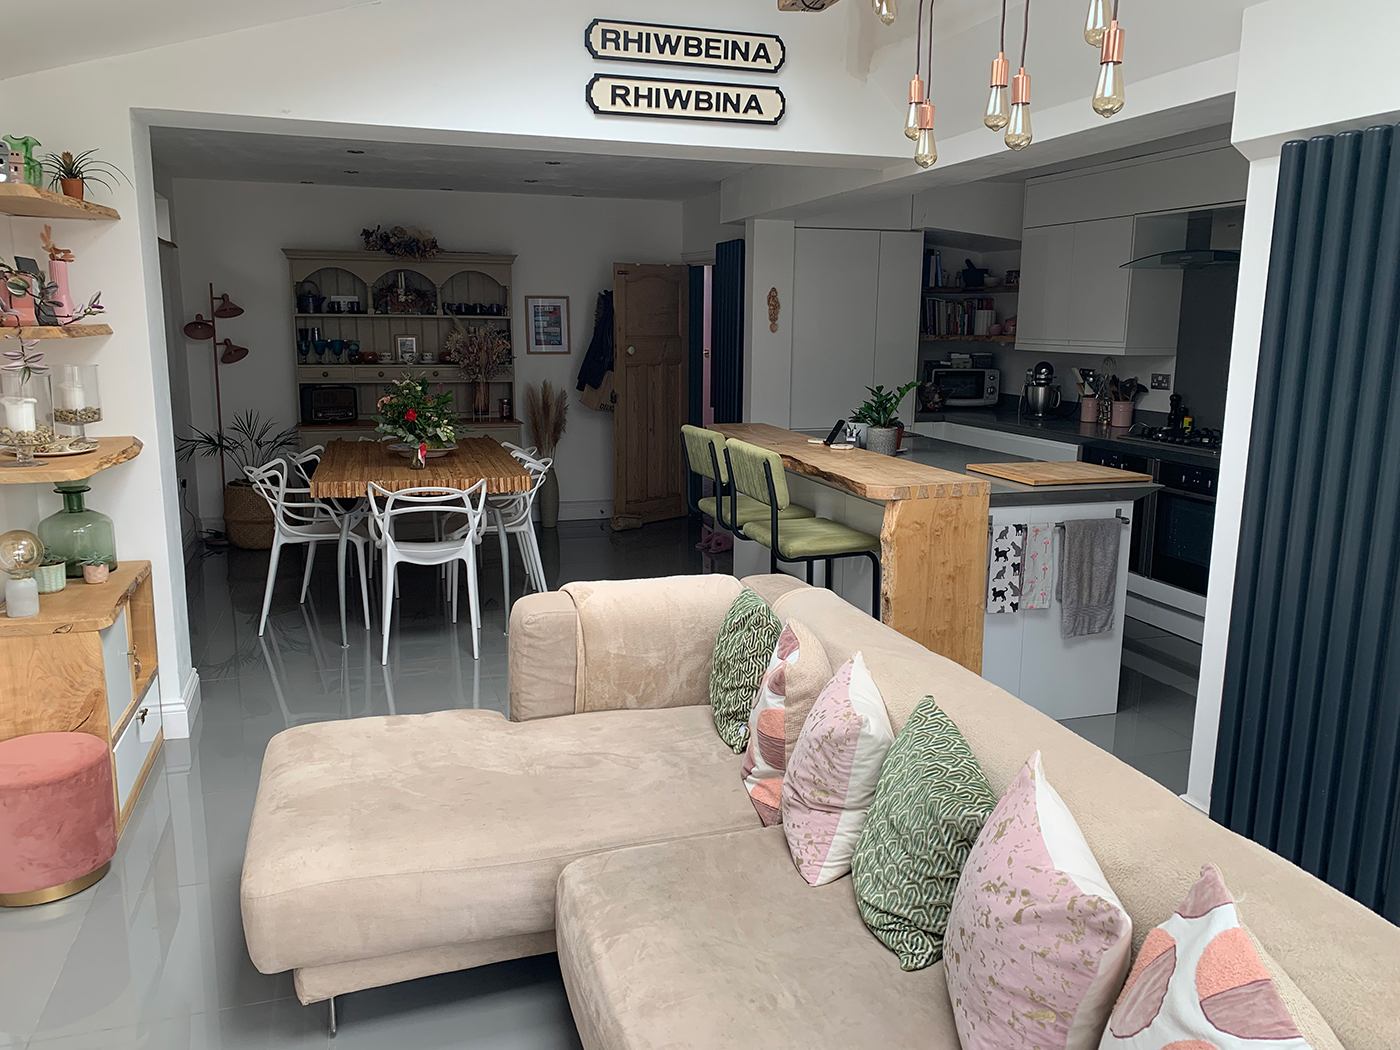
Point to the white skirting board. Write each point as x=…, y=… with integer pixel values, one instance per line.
x=177, y=713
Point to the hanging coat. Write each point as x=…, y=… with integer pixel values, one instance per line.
x=595, y=375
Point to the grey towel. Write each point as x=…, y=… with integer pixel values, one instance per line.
x=1088, y=580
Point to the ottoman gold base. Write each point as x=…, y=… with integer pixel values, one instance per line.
x=54, y=893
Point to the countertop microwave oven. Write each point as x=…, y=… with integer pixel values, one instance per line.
x=329, y=403
x=965, y=387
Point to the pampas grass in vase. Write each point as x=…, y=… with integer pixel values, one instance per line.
x=547, y=412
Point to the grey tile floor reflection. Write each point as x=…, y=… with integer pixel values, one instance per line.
x=153, y=955
x=1156, y=705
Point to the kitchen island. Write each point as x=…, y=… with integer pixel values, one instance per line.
x=933, y=519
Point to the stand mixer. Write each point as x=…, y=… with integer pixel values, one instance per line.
x=1039, y=398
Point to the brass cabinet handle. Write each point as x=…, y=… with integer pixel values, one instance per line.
x=135, y=661
x=381, y=375
x=141, y=715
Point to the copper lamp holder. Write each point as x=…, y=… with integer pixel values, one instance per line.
x=916, y=91
x=1021, y=88
x=926, y=116
x=1001, y=70
x=1112, y=45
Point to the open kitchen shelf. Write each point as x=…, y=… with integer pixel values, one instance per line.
x=109, y=452
x=19, y=198
x=60, y=331
x=417, y=317
x=967, y=339
x=971, y=293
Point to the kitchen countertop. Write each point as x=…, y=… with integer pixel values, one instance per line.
x=948, y=455
x=1069, y=430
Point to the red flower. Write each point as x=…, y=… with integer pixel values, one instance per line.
x=411, y=415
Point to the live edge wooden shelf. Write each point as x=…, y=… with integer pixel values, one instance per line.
x=18, y=198
x=56, y=331
x=87, y=663
x=933, y=541
x=109, y=452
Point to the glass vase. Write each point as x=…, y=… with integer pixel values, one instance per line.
x=77, y=403
x=26, y=415
x=78, y=534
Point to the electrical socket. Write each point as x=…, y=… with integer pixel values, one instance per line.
x=1161, y=380
x=184, y=484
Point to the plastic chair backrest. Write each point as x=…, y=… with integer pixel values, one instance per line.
x=436, y=500
x=292, y=505
x=306, y=462
x=705, y=448
x=746, y=462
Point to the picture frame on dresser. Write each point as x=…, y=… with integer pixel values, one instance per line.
x=547, y=324
x=406, y=349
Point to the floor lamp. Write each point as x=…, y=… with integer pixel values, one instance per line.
x=199, y=329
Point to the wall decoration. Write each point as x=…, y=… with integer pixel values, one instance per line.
x=684, y=46
x=547, y=319
x=71, y=173
x=806, y=6
x=404, y=242
x=773, y=307
x=406, y=349
x=615, y=96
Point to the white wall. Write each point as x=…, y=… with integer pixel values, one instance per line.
x=233, y=234
x=768, y=361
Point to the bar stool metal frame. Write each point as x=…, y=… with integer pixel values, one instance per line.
x=726, y=489
x=774, y=556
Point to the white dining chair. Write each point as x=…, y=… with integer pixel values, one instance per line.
x=448, y=506
x=299, y=518
x=509, y=515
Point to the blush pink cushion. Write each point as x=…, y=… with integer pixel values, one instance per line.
x=1037, y=943
x=831, y=777
x=57, y=812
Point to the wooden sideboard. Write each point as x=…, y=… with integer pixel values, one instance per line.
x=88, y=664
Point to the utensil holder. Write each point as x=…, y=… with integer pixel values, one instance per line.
x=1088, y=410
x=1122, y=414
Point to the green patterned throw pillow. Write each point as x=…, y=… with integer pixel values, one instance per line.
x=929, y=808
x=746, y=640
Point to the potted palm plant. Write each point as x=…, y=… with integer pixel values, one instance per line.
x=880, y=413
x=71, y=172
x=250, y=441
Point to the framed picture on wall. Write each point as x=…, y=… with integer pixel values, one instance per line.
x=406, y=349
x=547, y=324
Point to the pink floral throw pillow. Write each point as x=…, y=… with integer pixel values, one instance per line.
x=1037, y=943
x=831, y=776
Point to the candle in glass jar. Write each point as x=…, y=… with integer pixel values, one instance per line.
x=71, y=395
x=20, y=413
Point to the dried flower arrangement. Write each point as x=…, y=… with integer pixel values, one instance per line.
x=56, y=254
x=403, y=242
x=480, y=354
x=547, y=411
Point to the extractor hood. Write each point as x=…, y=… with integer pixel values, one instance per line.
x=1199, y=251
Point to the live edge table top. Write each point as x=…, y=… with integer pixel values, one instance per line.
x=348, y=467
x=858, y=471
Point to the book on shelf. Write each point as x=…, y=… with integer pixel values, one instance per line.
x=944, y=317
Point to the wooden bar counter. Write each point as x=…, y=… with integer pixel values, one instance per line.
x=933, y=536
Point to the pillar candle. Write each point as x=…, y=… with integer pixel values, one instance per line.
x=72, y=395
x=20, y=413
x=21, y=597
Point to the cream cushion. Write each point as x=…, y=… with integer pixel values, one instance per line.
x=377, y=836
x=717, y=942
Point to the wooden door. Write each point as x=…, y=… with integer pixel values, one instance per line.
x=651, y=315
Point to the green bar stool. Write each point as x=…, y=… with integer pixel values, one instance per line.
x=704, y=455
x=758, y=473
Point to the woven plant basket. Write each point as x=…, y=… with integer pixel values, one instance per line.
x=247, y=517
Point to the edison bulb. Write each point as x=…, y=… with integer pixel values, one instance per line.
x=1096, y=24
x=911, y=125
x=998, y=111
x=925, y=149
x=1108, y=95
x=1018, y=131
x=886, y=11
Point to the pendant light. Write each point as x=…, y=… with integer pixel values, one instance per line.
x=224, y=308
x=925, y=148
x=1096, y=24
x=1108, y=93
x=998, y=114
x=916, y=86
x=886, y=11
x=1018, y=131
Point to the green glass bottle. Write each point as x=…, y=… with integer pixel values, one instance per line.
x=76, y=533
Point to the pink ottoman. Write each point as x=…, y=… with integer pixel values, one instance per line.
x=58, y=821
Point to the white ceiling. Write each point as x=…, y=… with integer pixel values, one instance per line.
x=45, y=36
x=256, y=157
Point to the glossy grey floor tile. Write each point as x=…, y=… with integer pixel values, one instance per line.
x=153, y=956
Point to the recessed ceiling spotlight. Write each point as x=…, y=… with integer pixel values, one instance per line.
x=445, y=189
x=554, y=163
x=532, y=181
x=354, y=151
x=577, y=195
x=307, y=182
x=352, y=171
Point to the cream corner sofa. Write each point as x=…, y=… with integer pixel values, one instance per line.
x=608, y=821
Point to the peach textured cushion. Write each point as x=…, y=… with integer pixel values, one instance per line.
x=58, y=817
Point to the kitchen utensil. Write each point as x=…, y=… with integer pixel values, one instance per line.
x=309, y=302
x=1039, y=395
x=973, y=276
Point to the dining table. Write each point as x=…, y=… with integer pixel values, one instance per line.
x=347, y=468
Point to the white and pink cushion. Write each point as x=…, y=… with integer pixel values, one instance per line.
x=832, y=774
x=1037, y=943
x=796, y=675
x=1199, y=983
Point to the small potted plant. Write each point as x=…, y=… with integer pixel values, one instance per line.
x=422, y=420
x=95, y=569
x=880, y=413
x=72, y=172
x=52, y=575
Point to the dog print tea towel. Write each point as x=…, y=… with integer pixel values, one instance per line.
x=1004, y=573
x=1035, y=588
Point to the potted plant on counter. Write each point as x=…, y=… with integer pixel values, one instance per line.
x=880, y=414
x=249, y=442
x=71, y=172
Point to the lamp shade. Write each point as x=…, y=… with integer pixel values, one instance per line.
x=232, y=353
x=199, y=328
x=224, y=308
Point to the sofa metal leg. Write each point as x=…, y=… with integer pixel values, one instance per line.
x=331, y=1018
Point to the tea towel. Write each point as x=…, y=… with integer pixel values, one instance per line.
x=1035, y=587
x=1004, y=571
x=1088, y=580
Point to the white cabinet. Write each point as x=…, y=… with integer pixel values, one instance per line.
x=1075, y=294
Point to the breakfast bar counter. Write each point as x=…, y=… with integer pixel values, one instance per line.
x=932, y=525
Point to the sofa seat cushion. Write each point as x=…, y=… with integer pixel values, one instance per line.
x=718, y=942
x=383, y=835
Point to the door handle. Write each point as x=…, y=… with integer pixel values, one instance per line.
x=631, y=350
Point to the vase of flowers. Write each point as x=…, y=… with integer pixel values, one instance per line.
x=421, y=418
x=481, y=355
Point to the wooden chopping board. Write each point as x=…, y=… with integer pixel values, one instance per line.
x=1058, y=473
